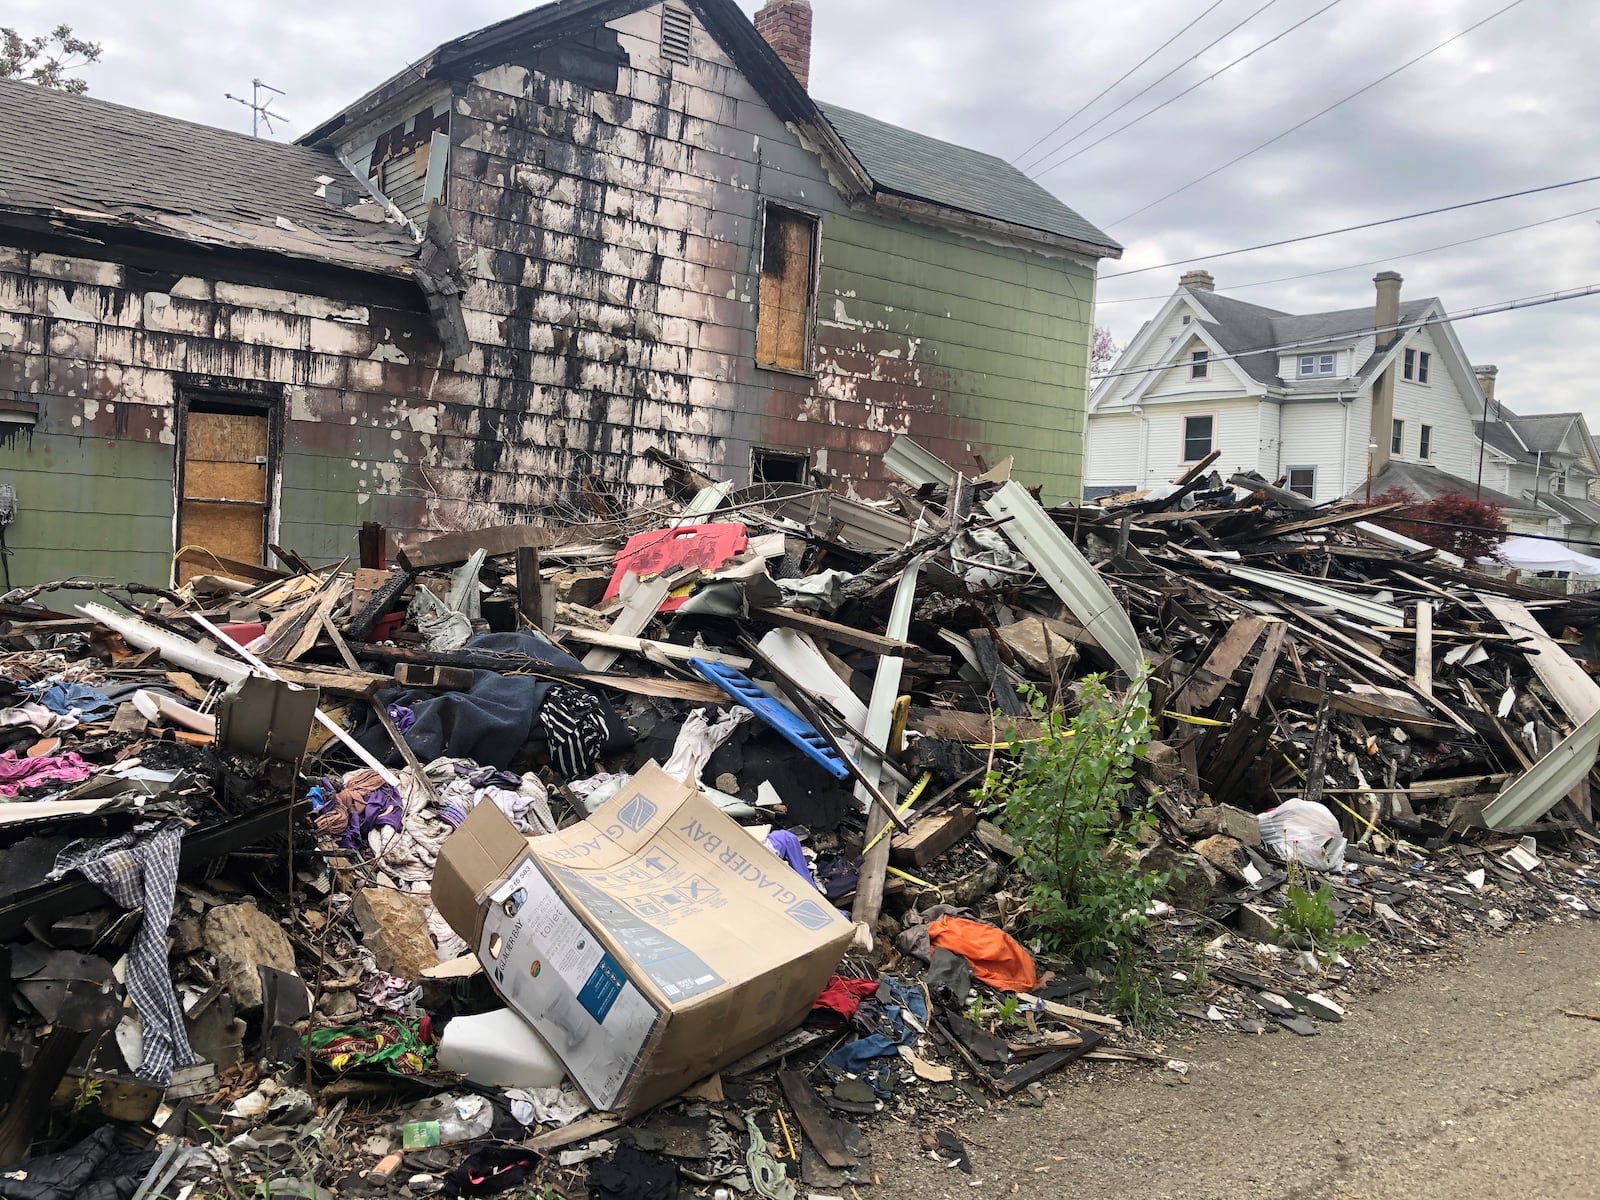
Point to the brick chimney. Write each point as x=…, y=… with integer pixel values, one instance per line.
x=1487, y=375
x=786, y=24
x=1198, y=281
x=1385, y=316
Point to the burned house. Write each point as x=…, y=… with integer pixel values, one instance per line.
x=549, y=247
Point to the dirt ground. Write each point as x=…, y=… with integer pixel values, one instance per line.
x=1463, y=1080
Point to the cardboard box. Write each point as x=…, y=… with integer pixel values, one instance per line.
x=650, y=945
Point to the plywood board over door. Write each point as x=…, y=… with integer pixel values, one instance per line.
x=226, y=470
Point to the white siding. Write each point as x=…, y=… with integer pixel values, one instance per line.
x=1269, y=454
x=1235, y=431
x=1314, y=435
x=1111, y=458
x=1437, y=403
x=1357, y=453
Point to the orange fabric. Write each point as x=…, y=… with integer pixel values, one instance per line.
x=997, y=958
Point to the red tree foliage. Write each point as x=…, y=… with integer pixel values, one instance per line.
x=1471, y=529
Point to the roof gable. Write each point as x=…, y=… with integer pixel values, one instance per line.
x=873, y=155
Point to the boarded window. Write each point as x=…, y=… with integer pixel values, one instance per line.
x=226, y=471
x=788, y=290
x=1197, y=438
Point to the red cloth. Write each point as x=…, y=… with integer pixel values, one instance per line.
x=843, y=996
x=997, y=958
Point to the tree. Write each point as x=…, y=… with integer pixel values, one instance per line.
x=47, y=61
x=1470, y=529
x=1104, y=351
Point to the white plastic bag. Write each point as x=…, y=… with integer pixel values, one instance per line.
x=1303, y=832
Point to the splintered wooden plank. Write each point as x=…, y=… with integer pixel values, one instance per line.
x=636, y=614
x=932, y=836
x=1424, y=669
x=1217, y=671
x=1265, y=668
x=844, y=635
x=815, y=1120
x=1573, y=689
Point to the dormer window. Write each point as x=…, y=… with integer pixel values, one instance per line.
x=1200, y=364
x=1315, y=365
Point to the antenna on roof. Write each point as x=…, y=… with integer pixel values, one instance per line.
x=260, y=114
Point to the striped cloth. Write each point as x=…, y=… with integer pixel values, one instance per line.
x=575, y=728
x=140, y=870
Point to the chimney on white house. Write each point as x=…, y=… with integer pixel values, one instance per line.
x=1385, y=316
x=786, y=24
x=1487, y=375
x=1198, y=281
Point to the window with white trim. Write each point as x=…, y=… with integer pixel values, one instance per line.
x=1397, y=438
x=1425, y=443
x=1303, y=481
x=1314, y=365
x=1200, y=364
x=1197, y=436
x=1418, y=364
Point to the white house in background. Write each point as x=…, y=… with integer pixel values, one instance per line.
x=1318, y=401
x=1548, y=461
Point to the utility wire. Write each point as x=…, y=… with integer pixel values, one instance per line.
x=1125, y=74
x=1040, y=172
x=1373, y=262
x=1487, y=310
x=1316, y=116
x=1311, y=237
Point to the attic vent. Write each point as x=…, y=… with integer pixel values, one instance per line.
x=677, y=34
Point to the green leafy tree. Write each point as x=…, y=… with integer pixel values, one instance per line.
x=48, y=61
x=1066, y=796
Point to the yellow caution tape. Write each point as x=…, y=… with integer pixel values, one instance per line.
x=910, y=878
x=1187, y=719
x=916, y=794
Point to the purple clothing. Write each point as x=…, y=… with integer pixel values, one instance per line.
x=18, y=773
x=382, y=809
x=787, y=847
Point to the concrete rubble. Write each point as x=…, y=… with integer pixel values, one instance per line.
x=298, y=765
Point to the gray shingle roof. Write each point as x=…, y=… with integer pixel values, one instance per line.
x=1544, y=434
x=108, y=162
x=1241, y=326
x=1574, y=508
x=1502, y=436
x=1429, y=483
x=925, y=168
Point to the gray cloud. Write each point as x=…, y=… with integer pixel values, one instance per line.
x=1508, y=107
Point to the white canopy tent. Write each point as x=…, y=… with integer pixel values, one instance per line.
x=1533, y=554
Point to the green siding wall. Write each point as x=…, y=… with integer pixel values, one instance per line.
x=997, y=338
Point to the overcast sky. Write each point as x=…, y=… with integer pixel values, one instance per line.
x=1513, y=105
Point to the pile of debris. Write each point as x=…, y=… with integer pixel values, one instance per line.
x=642, y=852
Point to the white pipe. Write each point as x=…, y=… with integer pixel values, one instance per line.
x=323, y=718
x=181, y=652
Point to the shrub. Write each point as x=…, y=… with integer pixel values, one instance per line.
x=1468, y=528
x=1066, y=798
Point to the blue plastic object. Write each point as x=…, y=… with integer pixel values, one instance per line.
x=801, y=734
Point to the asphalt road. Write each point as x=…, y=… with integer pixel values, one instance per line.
x=1463, y=1081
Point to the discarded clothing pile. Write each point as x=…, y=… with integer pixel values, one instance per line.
x=95, y=1169
x=17, y=774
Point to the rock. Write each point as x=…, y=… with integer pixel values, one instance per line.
x=1194, y=881
x=1226, y=854
x=1165, y=766
x=394, y=930
x=1239, y=825
x=1039, y=644
x=1256, y=924
x=241, y=937
x=186, y=935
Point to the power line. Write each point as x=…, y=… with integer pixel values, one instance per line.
x=1040, y=172
x=1129, y=71
x=1311, y=237
x=1315, y=116
x=1487, y=310
x=1388, y=258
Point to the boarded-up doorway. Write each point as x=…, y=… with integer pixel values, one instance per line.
x=226, y=468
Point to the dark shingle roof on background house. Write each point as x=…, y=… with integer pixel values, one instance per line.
x=1544, y=434
x=1242, y=327
x=1502, y=436
x=1429, y=483
x=924, y=168
x=1574, y=508
x=92, y=158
